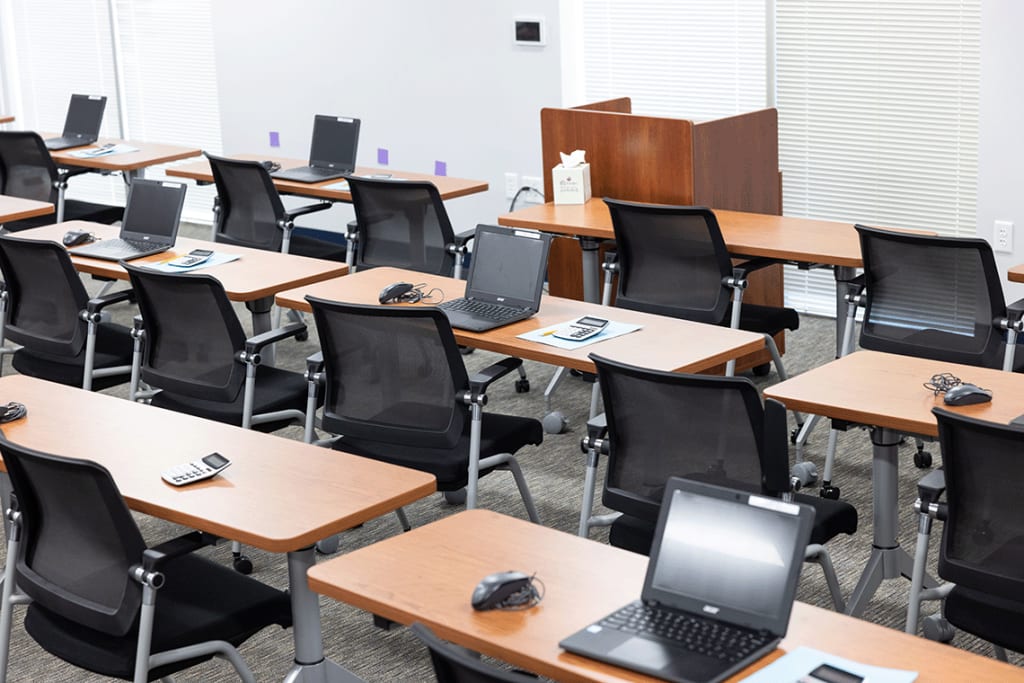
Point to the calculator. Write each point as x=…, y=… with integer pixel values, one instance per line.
x=584, y=328
x=192, y=258
x=190, y=472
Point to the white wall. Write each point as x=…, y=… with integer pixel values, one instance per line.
x=439, y=80
x=1001, y=142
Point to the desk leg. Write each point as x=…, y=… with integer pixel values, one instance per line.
x=260, y=309
x=591, y=269
x=842, y=274
x=888, y=560
x=310, y=664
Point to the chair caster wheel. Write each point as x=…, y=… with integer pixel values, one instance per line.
x=466, y=350
x=457, y=497
x=522, y=386
x=761, y=370
x=806, y=472
x=922, y=460
x=555, y=422
x=302, y=336
x=936, y=628
x=242, y=564
x=328, y=546
x=830, y=492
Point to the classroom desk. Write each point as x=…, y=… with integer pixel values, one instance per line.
x=132, y=164
x=279, y=495
x=428, y=574
x=663, y=343
x=1016, y=273
x=16, y=208
x=884, y=392
x=6, y=118
x=448, y=187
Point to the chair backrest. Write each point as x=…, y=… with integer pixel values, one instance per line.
x=672, y=260
x=192, y=334
x=250, y=207
x=455, y=665
x=664, y=424
x=26, y=169
x=45, y=296
x=931, y=297
x=983, y=537
x=402, y=223
x=392, y=374
x=79, y=539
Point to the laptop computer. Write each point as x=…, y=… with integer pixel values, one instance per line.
x=150, y=223
x=506, y=279
x=82, y=125
x=332, y=153
x=719, y=589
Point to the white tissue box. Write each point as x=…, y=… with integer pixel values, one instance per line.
x=571, y=185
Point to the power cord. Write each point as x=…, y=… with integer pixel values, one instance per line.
x=519, y=193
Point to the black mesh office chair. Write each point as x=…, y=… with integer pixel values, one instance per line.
x=982, y=549
x=672, y=260
x=249, y=212
x=94, y=584
x=28, y=171
x=46, y=309
x=455, y=665
x=396, y=388
x=930, y=297
x=403, y=223
x=662, y=424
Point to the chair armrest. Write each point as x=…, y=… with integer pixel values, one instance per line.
x=611, y=261
x=70, y=172
x=98, y=303
x=153, y=559
x=352, y=231
x=931, y=486
x=292, y=214
x=464, y=238
x=775, y=452
x=479, y=382
x=315, y=363
x=741, y=270
x=597, y=430
x=254, y=344
x=1015, y=311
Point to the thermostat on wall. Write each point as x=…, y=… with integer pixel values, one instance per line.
x=529, y=31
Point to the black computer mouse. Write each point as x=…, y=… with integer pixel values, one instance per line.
x=966, y=395
x=72, y=238
x=398, y=292
x=493, y=589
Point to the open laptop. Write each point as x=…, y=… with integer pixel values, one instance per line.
x=722, y=575
x=82, y=125
x=150, y=223
x=332, y=154
x=506, y=279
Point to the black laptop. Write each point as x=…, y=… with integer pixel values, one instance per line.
x=150, y=223
x=719, y=589
x=332, y=154
x=506, y=279
x=82, y=125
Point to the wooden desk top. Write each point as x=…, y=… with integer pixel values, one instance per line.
x=448, y=187
x=278, y=494
x=149, y=154
x=663, y=343
x=885, y=390
x=428, y=574
x=1016, y=274
x=6, y=118
x=16, y=208
x=748, y=234
x=257, y=274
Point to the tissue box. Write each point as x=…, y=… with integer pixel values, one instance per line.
x=571, y=185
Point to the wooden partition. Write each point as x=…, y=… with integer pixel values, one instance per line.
x=730, y=163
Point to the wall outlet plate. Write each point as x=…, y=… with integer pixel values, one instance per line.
x=1002, y=237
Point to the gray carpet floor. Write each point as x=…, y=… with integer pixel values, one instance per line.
x=554, y=471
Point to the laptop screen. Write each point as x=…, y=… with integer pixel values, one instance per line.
x=85, y=116
x=508, y=266
x=335, y=139
x=153, y=211
x=730, y=554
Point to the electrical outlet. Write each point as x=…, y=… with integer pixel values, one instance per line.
x=536, y=182
x=511, y=185
x=1003, y=234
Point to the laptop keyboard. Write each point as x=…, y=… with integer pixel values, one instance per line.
x=481, y=309
x=121, y=247
x=703, y=636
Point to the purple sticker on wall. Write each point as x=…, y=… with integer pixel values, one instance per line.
x=440, y=168
x=275, y=139
x=382, y=156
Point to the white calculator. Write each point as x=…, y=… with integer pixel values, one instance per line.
x=584, y=328
x=190, y=472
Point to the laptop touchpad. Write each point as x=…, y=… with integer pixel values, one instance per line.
x=652, y=654
x=674, y=662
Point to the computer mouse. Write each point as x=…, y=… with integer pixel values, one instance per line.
x=271, y=166
x=72, y=238
x=493, y=589
x=397, y=292
x=966, y=395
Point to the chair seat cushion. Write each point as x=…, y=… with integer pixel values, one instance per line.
x=632, y=534
x=765, y=319
x=304, y=245
x=276, y=389
x=113, y=348
x=201, y=601
x=499, y=434
x=831, y=517
x=997, y=620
